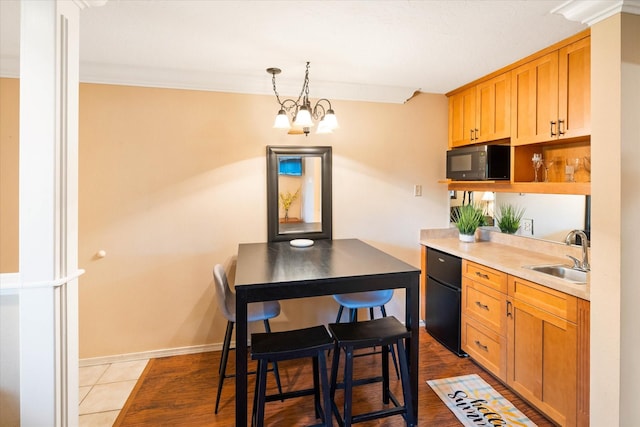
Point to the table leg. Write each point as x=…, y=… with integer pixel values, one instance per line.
x=412, y=313
x=241, y=359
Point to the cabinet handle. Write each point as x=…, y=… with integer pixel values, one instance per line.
x=482, y=275
x=476, y=134
x=509, y=314
x=482, y=306
x=560, y=127
x=552, y=125
x=482, y=346
x=471, y=134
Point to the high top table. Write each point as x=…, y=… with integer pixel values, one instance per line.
x=277, y=271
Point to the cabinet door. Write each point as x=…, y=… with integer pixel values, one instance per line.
x=574, y=89
x=462, y=118
x=534, y=101
x=493, y=108
x=542, y=360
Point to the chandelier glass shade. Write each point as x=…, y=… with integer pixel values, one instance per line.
x=301, y=112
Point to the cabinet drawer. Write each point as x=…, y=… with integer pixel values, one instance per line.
x=485, y=275
x=546, y=299
x=485, y=346
x=485, y=305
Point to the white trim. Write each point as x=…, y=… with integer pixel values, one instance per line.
x=10, y=66
x=593, y=11
x=10, y=282
x=153, y=354
x=178, y=351
x=126, y=75
x=83, y=4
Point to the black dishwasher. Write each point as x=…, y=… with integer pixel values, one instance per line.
x=443, y=299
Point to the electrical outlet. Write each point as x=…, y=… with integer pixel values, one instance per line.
x=526, y=227
x=417, y=190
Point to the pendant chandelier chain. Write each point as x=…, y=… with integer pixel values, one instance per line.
x=304, y=91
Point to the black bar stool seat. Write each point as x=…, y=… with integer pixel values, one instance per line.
x=383, y=332
x=287, y=345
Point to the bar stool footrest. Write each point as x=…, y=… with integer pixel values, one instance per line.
x=289, y=395
x=363, y=381
x=397, y=409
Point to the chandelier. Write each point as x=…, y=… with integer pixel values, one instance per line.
x=302, y=114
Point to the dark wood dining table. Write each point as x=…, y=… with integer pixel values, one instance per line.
x=277, y=271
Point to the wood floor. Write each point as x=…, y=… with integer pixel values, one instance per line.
x=180, y=391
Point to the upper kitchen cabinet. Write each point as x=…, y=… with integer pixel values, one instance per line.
x=481, y=113
x=493, y=108
x=462, y=117
x=550, y=96
x=574, y=89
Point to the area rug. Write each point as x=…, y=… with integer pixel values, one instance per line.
x=476, y=403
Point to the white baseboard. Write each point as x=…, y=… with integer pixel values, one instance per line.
x=129, y=357
x=178, y=351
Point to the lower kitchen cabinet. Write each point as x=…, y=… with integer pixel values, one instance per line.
x=533, y=338
x=542, y=351
x=484, y=326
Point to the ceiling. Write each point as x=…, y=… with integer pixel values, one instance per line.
x=363, y=50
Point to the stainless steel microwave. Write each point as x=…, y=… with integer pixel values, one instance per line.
x=479, y=163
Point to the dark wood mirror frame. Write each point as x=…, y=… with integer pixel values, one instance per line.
x=273, y=222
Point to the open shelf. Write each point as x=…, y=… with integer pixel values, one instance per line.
x=521, y=187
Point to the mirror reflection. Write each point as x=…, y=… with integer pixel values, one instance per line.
x=546, y=216
x=298, y=193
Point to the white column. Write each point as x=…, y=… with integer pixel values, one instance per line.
x=48, y=317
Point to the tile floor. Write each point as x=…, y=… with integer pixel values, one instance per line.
x=104, y=389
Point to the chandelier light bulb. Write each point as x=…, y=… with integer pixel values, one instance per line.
x=330, y=119
x=303, y=118
x=282, y=121
x=324, y=126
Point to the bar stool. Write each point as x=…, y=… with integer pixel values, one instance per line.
x=368, y=300
x=384, y=332
x=256, y=312
x=288, y=345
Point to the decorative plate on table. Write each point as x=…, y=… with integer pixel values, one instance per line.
x=301, y=243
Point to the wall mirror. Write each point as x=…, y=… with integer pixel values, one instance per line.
x=552, y=215
x=298, y=193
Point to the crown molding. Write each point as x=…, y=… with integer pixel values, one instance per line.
x=85, y=4
x=593, y=11
x=220, y=82
x=234, y=83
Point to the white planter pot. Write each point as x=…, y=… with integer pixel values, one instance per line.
x=467, y=238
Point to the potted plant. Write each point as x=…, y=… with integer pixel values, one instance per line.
x=509, y=217
x=467, y=219
x=286, y=200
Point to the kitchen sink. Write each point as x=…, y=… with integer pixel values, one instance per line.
x=561, y=271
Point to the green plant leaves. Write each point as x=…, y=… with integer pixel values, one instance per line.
x=467, y=218
x=509, y=217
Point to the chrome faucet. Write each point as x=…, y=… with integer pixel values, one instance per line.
x=577, y=265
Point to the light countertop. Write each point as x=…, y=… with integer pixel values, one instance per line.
x=509, y=254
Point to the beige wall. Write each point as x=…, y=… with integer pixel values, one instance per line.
x=9, y=147
x=615, y=147
x=172, y=180
x=630, y=245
